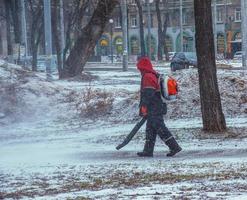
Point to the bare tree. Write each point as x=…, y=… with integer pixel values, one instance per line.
x=142, y=40
x=74, y=12
x=35, y=12
x=74, y=15
x=162, y=28
x=15, y=9
x=8, y=26
x=12, y=17
x=86, y=41
x=56, y=34
x=212, y=115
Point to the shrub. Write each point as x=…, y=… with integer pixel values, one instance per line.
x=95, y=103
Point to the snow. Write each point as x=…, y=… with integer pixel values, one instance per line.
x=49, y=150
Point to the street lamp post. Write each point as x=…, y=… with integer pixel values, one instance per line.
x=244, y=32
x=181, y=25
x=225, y=35
x=125, y=34
x=111, y=33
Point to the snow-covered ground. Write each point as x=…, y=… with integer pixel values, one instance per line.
x=58, y=139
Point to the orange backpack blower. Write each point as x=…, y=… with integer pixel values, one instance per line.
x=168, y=87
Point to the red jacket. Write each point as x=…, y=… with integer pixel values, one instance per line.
x=150, y=89
x=149, y=75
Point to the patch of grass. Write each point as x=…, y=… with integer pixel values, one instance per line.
x=71, y=97
x=84, y=77
x=133, y=179
x=140, y=178
x=95, y=103
x=197, y=133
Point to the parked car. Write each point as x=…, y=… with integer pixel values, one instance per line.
x=116, y=58
x=182, y=60
x=238, y=55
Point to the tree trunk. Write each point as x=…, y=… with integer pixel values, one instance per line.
x=14, y=19
x=75, y=16
x=34, y=57
x=142, y=40
x=166, y=51
x=164, y=34
x=8, y=27
x=36, y=28
x=84, y=45
x=212, y=115
x=162, y=30
x=15, y=8
x=67, y=42
x=35, y=41
x=56, y=35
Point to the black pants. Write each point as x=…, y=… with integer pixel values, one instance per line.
x=155, y=126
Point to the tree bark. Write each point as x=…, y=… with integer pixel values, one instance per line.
x=36, y=28
x=15, y=9
x=165, y=25
x=91, y=33
x=35, y=41
x=75, y=12
x=212, y=115
x=161, y=31
x=142, y=40
x=34, y=56
x=56, y=35
x=8, y=27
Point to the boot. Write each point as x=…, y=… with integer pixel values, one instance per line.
x=148, y=149
x=173, y=146
x=144, y=154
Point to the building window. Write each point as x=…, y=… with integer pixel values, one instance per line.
x=185, y=18
x=134, y=46
x=220, y=43
x=133, y=21
x=103, y=48
x=219, y=16
x=119, y=45
x=133, y=2
x=118, y=22
x=238, y=15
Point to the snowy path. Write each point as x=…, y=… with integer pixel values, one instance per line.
x=55, y=139
x=49, y=158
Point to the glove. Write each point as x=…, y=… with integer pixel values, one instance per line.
x=143, y=111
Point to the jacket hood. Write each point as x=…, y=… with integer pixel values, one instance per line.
x=144, y=65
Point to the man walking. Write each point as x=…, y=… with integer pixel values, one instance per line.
x=152, y=107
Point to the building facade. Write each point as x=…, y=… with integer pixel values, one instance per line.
x=228, y=28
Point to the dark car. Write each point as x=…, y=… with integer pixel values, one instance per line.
x=183, y=60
